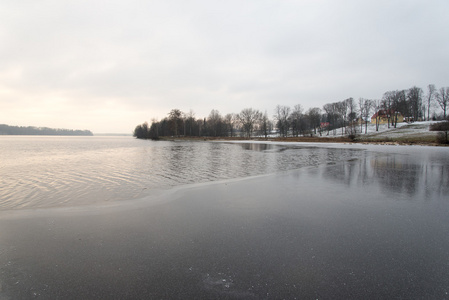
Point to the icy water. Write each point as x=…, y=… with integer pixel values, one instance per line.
x=324, y=222
x=38, y=172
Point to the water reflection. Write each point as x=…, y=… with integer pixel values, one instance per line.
x=43, y=172
x=261, y=147
x=397, y=176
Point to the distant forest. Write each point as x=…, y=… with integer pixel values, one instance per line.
x=31, y=130
x=350, y=115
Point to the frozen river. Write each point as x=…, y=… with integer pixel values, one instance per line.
x=231, y=221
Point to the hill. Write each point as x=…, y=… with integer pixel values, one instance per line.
x=404, y=133
x=417, y=132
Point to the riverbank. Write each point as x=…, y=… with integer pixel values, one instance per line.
x=417, y=140
x=404, y=134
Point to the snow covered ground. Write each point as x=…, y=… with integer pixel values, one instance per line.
x=403, y=131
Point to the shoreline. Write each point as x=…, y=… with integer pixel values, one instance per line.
x=313, y=140
x=417, y=133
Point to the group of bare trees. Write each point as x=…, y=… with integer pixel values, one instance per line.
x=416, y=105
x=411, y=104
x=295, y=122
x=342, y=114
x=177, y=123
x=442, y=98
x=349, y=115
x=247, y=123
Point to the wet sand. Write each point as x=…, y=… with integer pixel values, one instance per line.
x=352, y=230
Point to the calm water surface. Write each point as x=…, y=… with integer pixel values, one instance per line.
x=39, y=171
x=328, y=222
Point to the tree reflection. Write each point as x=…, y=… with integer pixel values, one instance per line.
x=394, y=175
x=259, y=147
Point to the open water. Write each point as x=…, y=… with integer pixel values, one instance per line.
x=41, y=171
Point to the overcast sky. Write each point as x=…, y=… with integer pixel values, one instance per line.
x=109, y=65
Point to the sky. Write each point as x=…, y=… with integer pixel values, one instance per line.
x=107, y=66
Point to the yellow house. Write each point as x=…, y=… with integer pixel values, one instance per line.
x=382, y=116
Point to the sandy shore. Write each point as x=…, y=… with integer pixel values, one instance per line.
x=338, y=231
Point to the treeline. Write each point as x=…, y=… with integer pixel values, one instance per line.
x=350, y=115
x=31, y=130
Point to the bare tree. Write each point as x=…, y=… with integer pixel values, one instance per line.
x=296, y=119
x=387, y=105
x=190, y=122
x=332, y=115
x=201, y=124
x=281, y=116
x=184, y=121
x=442, y=98
x=175, y=120
x=361, y=110
x=430, y=96
x=265, y=124
x=248, y=118
x=351, y=114
x=414, y=99
x=154, y=129
x=365, y=107
x=214, y=122
x=399, y=105
x=378, y=105
x=342, y=108
x=314, y=117
x=368, y=107
x=230, y=120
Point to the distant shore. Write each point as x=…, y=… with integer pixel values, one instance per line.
x=32, y=130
